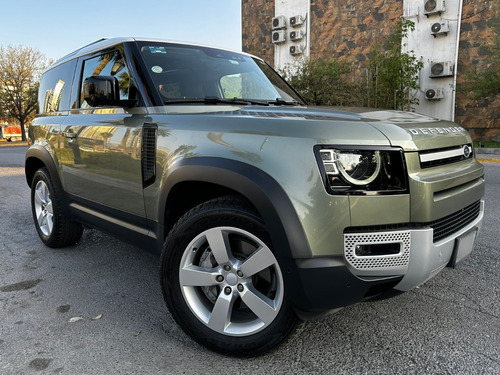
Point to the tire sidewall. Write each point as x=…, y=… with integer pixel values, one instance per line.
x=41, y=175
x=178, y=240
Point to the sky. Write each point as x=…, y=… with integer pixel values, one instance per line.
x=57, y=27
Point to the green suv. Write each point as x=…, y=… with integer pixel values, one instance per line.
x=265, y=211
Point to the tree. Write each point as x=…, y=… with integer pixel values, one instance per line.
x=323, y=82
x=20, y=71
x=393, y=74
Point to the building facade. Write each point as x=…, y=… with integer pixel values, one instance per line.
x=347, y=29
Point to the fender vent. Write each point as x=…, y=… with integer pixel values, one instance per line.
x=148, y=154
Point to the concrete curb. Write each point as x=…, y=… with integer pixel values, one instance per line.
x=487, y=155
x=13, y=144
x=489, y=151
x=488, y=160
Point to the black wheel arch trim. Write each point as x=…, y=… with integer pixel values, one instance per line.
x=261, y=189
x=40, y=156
x=43, y=156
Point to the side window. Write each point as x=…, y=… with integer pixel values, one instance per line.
x=109, y=64
x=55, y=88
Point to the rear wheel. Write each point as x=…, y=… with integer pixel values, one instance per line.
x=53, y=227
x=222, y=282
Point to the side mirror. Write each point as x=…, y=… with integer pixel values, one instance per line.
x=103, y=91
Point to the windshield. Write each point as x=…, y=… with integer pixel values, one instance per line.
x=194, y=73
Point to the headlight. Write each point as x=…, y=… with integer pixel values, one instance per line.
x=362, y=170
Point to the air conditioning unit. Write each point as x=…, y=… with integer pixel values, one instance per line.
x=442, y=27
x=278, y=36
x=433, y=7
x=296, y=21
x=296, y=50
x=279, y=22
x=296, y=35
x=441, y=69
x=434, y=94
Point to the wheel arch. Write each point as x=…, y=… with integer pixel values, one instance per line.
x=229, y=177
x=38, y=157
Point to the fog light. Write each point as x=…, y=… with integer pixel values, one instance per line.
x=377, y=249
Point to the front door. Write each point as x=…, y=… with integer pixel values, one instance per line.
x=100, y=155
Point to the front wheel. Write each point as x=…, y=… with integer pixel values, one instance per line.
x=222, y=282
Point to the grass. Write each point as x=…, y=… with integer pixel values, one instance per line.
x=487, y=144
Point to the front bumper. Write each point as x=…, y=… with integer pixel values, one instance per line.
x=419, y=257
x=328, y=283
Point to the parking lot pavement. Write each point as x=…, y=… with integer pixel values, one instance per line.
x=450, y=325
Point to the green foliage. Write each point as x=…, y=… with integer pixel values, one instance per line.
x=393, y=74
x=323, y=82
x=487, y=144
x=483, y=82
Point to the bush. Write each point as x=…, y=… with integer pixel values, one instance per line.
x=392, y=74
x=391, y=77
x=323, y=82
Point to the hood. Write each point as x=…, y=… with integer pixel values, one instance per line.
x=409, y=130
x=413, y=131
x=362, y=126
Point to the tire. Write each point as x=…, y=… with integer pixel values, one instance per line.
x=53, y=227
x=221, y=281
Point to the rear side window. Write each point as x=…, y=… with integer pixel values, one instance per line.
x=55, y=88
x=109, y=64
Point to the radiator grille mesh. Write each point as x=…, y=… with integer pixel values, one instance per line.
x=453, y=223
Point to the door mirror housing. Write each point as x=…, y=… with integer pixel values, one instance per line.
x=104, y=91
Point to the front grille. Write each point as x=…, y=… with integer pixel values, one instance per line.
x=443, y=156
x=453, y=223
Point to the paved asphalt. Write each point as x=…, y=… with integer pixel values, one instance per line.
x=450, y=325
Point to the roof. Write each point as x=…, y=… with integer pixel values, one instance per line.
x=110, y=42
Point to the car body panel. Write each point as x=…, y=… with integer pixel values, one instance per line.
x=195, y=149
x=100, y=159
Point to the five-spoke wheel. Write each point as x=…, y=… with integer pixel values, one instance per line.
x=222, y=282
x=43, y=208
x=231, y=281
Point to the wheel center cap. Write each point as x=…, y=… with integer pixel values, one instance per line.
x=231, y=279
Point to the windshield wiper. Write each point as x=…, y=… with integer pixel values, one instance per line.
x=280, y=101
x=215, y=100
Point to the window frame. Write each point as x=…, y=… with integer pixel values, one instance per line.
x=77, y=92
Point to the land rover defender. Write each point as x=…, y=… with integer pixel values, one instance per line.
x=265, y=211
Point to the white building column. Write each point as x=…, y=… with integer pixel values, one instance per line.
x=435, y=42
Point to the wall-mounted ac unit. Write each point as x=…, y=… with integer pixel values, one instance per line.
x=296, y=49
x=433, y=7
x=296, y=21
x=278, y=36
x=279, y=22
x=434, y=94
x=296, y=35
x=442, y=27
x=441, y=69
